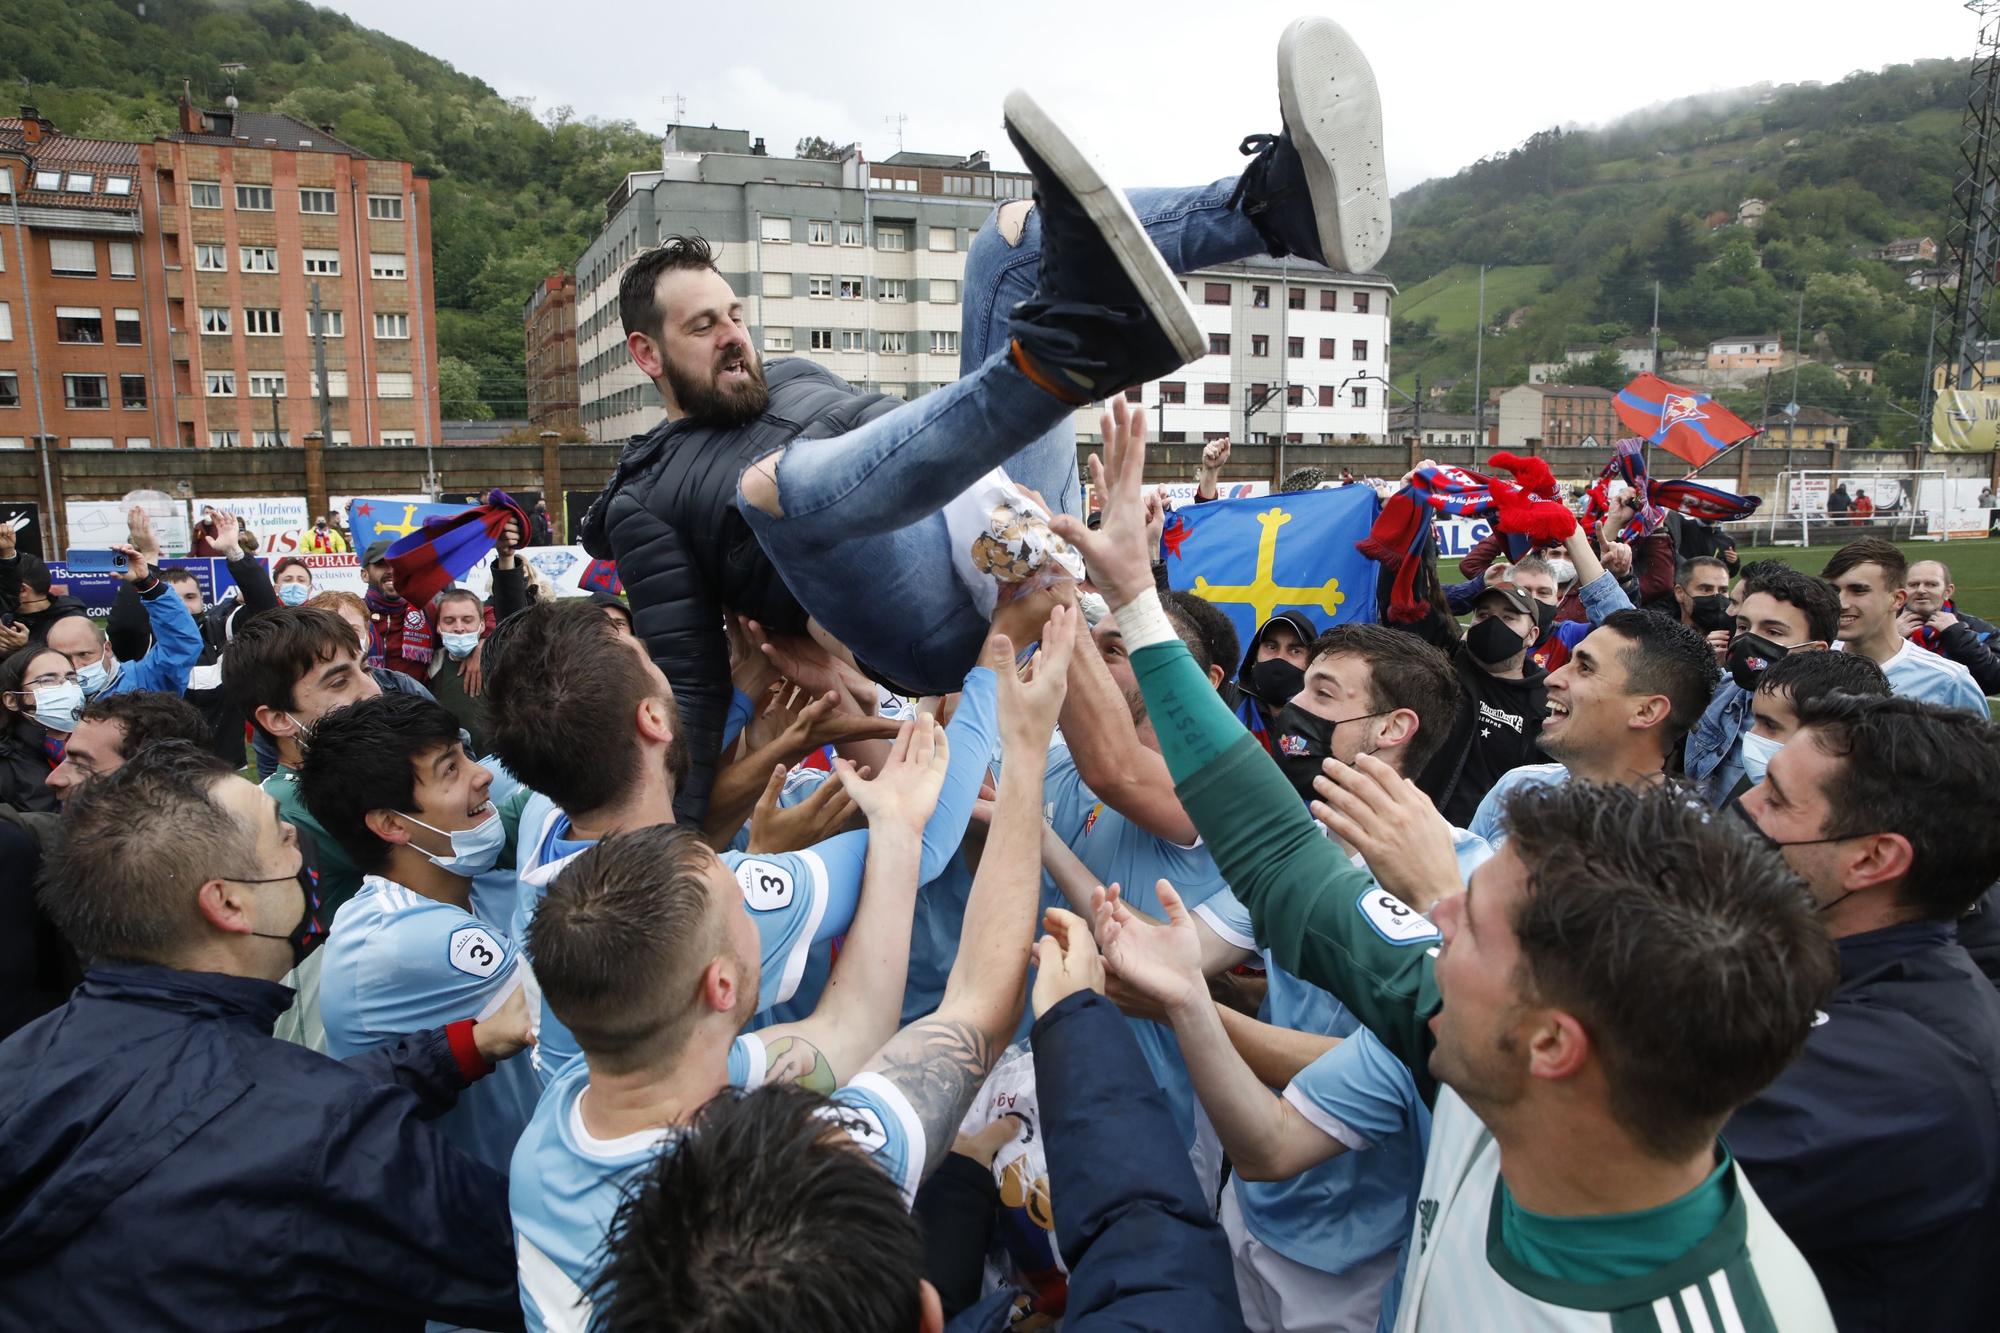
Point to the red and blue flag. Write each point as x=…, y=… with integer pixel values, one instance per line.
x=1688, y=424
x=445, y=549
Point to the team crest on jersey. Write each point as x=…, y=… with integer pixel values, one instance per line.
x=1090, y=820
x=1293, y=746
x=767, y=886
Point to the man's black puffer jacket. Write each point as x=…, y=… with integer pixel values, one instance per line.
x=685, y=555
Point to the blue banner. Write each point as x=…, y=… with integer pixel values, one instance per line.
x=371, y=521
x=98, y=589
x=1255, y=557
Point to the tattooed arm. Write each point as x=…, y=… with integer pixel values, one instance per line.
x=937, y=1063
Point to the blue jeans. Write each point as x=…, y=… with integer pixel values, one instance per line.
x=862, y=544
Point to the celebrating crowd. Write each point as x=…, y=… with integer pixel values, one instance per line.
x=908, y=912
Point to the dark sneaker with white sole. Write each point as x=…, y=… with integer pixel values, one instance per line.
x=1107, y=312
x=1319, y=190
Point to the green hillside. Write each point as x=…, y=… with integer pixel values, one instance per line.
x=1578, y=226
x=513, y=196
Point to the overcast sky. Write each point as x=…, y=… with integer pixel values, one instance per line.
x=1161, y=93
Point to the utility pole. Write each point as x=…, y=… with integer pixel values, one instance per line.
x=1798, y=359
x=319, y=368
x=277, y=431
x=1417, y=413
x=1478, y=368
x=1656, y=326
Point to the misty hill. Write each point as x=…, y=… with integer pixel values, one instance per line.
x=514, y=196
x=1578, y=224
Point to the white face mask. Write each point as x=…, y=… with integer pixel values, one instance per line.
x=473, y=850
x=57, y=707
x=294, y=594
x=1757, y=752
x=460, y=645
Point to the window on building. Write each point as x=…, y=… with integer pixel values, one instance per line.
x=48, y=180
x=10, y=388
x=820, y=340
x=944, y=238
x=263, y=323
x=6, y=322
x=892, y=289
x=1326, y=396
x=394, y=325
x=1295, y=347
x=1260, y=297
x=1295, y=395
x=1213, y=393
x=118, y=185
x=394, y=384
x=204, y=194
x=79, y=324
x=1215, y=293
x=121, y=256
x=323, y=263
x=774, y=231
x=132, y=390
x=257, y=258
x=221, y=383
x=853, y=289
x=1218, y=344
x=853, y=340
x=891, y=238
x=138, y=441
x=73, y=259
x=1326, y=349
x=818, y=285
x=777, y=340
x=1295, y=298
x=223, y=439
x=1360, y=349
x=92, y=442
x=336, y=384
x=211, y=258
x=1259, y=345
x=1361, y=303
x=86, y=391
x=818, y=233
x=267, y=384
x=1255, y=394
x=943, y=291
x=850, y=233
x=214, y=319
x=268, y=439
x=332, y=322
x=891, y=344
x=125, y=327
x=1361, y=396
x=944, y=342
x=1329, y=299
x=253, y=198
x=385, y=266
x=316, y=201
x=385, y=208
x=399, y=439
x=1173, y=391
x=78, y=182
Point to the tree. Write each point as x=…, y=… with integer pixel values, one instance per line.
x=1604, y=370
x=815, y=149
x=1678, y=252
x=458, y=392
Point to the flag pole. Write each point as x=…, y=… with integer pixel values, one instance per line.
x=1721, y=453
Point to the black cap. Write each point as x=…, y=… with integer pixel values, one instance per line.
x=378, y=553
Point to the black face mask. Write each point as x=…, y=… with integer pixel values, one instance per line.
x=1711, y=613
x=1735, y=806
x=309, y=934
x=1493, y=643
x=1749, y=656
x=1274, y=681
x=1545, y=620
x=1303, y=742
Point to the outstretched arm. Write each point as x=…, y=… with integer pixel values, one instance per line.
x=1124, y=773
x=939, y=1062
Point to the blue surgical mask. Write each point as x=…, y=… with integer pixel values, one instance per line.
x=95, y=677
x=460, y=645
x=294, y=594
x=473, y=850
x=1757, y=752
x=57, y=706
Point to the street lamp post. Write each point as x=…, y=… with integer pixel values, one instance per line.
x=1417, y=407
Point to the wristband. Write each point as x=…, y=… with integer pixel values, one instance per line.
x=465, y=1051
x=1143, y=622
x=147, y=586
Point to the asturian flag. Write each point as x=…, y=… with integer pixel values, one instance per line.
x=1255, y=557
x=1688, y=424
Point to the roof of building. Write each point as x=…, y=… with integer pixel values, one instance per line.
x=1570, y=390
x=96, y=158
x=1263, y=266
x=1746, y=338
x=1808, y=416
x=967, y=162
x=265, y=129
x=1404, y=419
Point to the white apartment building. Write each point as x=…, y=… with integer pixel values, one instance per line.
x=860, y=266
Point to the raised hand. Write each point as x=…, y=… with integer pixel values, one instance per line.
x=1215, y=457
x=776, y=828
x=506, y=1030
x=1066, y=961
x=1116, y=553
x=1384, y=816
x=1028, y=709
x=228, y=528
x=1161, y=961
x=135, y=564
x=905, y=792
x=139, y=530
x=806, y=661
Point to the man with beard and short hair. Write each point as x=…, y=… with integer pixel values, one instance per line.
x=1869, y=574
x=400, y=635
x=1701, y=589
x=1931, y=619
x=1066, y=301
x=1878, y=1149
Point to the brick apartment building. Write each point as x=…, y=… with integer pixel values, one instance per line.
x=550, y=320
x=1558, y=414
x=168, y=287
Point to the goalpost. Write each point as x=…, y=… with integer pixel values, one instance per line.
x=1903, y=504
